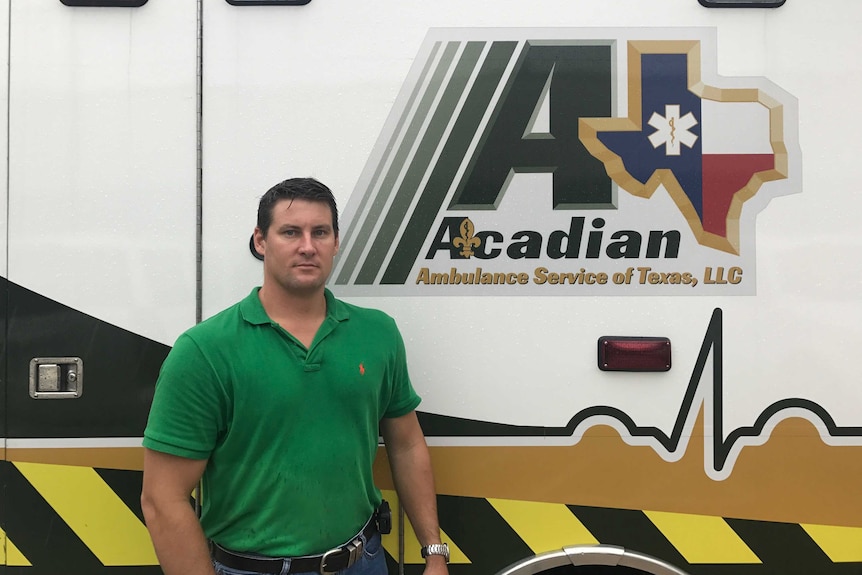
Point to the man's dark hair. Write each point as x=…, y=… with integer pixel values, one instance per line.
x=292, y=189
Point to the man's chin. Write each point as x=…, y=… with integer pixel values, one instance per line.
x=304, y=285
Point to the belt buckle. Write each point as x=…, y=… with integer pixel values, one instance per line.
x=354, y=548
x=323, y=559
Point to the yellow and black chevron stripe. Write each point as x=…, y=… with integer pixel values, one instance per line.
x=487, y=535
x=71, y=519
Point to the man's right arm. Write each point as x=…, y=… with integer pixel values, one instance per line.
x=171, y=520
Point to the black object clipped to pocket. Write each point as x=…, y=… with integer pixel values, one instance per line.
x=384, y=518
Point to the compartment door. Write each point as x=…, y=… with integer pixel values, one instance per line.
x=101, y=268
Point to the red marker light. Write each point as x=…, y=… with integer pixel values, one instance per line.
x=634, y=353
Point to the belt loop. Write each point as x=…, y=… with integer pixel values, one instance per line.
x=355, y=548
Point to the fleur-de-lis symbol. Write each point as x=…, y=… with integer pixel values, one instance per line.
x=467, y=241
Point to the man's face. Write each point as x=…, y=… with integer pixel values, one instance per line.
x=299, y=247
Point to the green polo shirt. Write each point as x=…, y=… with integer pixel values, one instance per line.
x=290, y=433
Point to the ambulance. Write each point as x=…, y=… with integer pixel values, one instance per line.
x=620, y=239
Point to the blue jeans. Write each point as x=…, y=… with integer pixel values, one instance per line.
x=372, y=562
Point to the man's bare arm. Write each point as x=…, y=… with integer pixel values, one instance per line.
x=174, y=528
x=410, y=462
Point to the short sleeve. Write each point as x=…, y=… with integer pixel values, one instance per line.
x=403, y=398
x=189, y=410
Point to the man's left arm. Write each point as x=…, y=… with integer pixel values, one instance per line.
x=410, y=463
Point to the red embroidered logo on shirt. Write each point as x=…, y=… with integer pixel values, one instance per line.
x=361, y=369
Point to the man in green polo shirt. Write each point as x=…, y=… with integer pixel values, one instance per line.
x=274, y=405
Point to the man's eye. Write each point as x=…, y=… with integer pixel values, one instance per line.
x=290, y=233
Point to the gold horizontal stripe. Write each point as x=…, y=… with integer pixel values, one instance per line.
x=93, y=511
x=543, y=526
x=412, y=548
x=131, y=458
x=9, y=554
x=841, y=544
x=702, y=538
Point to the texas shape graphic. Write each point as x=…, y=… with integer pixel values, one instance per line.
x=710, y=147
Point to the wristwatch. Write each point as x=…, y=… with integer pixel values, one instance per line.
x=436, y=549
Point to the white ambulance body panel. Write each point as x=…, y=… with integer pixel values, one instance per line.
x=4, y=94
x=272, y=111
x=102, y=177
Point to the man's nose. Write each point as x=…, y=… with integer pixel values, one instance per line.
x=306, y=244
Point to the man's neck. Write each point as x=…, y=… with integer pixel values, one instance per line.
x=281, y=305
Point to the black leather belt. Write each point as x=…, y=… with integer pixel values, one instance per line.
x=327, y=563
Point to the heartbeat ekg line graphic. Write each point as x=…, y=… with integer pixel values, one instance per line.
x=720, y=451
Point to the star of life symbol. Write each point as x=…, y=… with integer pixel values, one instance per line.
x=671, y=130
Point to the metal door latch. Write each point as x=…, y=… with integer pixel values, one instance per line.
x=56, y=377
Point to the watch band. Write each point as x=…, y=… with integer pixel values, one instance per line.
x=436, y=549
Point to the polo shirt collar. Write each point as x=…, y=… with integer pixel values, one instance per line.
x=335, y=308
x=252, y=310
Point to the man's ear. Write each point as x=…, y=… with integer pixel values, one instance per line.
x=259, y=242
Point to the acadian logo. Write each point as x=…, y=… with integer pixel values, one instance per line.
x=458, y=237
x=560, y=244
x=505, y=148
